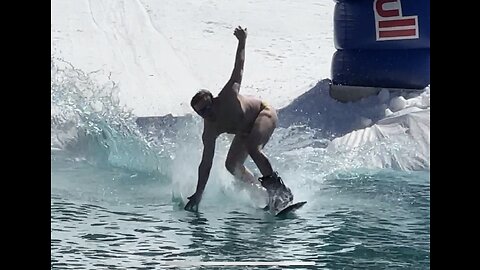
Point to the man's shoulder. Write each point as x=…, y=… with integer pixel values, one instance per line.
x=231, y=88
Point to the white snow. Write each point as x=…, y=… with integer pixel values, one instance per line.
x=118, y=37
x=397, y=104
x=162, y=52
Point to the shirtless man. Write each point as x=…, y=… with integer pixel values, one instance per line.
x=252, y=121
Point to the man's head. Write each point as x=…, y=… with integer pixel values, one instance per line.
x=202, y=104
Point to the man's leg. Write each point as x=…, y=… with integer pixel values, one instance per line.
x=235, y=165
x=261, y=132
x=236, y=158
x=279, y=195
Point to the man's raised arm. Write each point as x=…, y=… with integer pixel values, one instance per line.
x=237, y=74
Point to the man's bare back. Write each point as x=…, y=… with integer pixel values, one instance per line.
x=235, y=114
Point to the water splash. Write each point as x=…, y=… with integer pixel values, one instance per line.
x=88, y=120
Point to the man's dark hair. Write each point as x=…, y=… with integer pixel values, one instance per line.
x=199, y=95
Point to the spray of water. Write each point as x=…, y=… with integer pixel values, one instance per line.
x=88, y=121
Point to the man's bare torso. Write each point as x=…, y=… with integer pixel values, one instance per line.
x=235, y=114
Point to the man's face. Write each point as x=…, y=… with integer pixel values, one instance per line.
x=204, y=108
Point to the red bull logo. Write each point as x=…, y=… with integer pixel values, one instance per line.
x=390, y=24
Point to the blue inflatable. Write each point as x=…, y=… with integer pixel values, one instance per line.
x=409, y=69
x=382, y=43
x=358, y=24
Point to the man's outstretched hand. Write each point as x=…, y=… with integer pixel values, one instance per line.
x=240, y=33
x=193, y=202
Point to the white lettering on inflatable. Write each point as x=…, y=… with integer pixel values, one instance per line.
x=390, y=24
